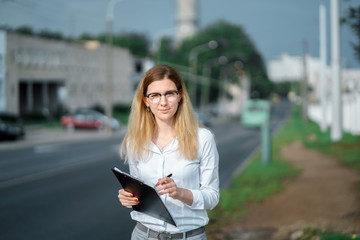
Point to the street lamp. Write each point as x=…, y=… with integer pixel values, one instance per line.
x=207, y=78
x=237, y=65
x=109, y=61
x=156, y=44
x=193, y=59
x=199, y=49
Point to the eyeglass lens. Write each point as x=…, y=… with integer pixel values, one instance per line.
x=170, y=96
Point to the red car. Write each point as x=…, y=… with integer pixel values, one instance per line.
x=87, y=118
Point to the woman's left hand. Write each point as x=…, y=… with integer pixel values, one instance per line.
x=167, y=185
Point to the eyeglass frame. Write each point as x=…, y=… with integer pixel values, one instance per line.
x=162, y=94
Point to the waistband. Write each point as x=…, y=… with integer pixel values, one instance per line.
x=167, y=235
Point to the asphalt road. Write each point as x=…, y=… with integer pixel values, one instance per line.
x=65, y=190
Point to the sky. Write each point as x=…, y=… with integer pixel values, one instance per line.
x=275, y=26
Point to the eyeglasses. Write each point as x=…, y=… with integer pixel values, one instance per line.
x=170, y=96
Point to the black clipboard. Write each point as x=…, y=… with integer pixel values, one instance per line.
x=150, y=201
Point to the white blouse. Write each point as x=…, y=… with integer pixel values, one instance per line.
x=200, y=176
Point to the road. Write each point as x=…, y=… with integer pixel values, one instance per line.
x=65, y=190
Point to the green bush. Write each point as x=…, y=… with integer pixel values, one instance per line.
x=121, y=112
x=33, y=117
x=8, y=117
x=122, y=108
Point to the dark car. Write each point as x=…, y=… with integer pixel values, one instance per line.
x=10, y=131
x=88, y=118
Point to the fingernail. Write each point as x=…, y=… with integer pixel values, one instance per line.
x=157, y=184
x=131, y=195
x=136, y=200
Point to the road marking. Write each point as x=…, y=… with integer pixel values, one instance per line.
x=80, y=161
x=47, y=148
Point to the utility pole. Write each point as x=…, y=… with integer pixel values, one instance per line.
x=109, y=63
x=323, y=57
x=3, y=71
x=109, y=69
x=206, y=72
x=336, y=125
x=304, y=85
x=193, y=61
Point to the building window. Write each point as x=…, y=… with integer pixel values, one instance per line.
x=18, y=56
x=26, y=57
x=138, y=67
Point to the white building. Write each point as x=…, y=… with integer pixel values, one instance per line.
x=37, y=74
x=291, y=68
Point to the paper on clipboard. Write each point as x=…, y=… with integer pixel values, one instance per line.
x=150, y=201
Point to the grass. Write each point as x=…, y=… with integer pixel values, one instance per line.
x=347, y=150
x=256, y=181
x=254, y=184
x=50, y=125
x=312, y=233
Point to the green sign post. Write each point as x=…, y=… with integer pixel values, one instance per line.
x=257, y=114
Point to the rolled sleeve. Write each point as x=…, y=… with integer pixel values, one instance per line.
x=198, y=200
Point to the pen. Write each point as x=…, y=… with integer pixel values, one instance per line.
x=166, y=176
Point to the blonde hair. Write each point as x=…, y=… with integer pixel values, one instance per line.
x=142, y=124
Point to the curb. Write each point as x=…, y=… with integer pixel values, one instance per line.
x=36, y=135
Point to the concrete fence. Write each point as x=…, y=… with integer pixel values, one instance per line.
x=350, y=109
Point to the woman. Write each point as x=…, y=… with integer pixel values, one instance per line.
x=164, y=138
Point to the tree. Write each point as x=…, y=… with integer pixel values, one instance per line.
x=87, y=36
x=26, y=30
x=50, y=35
x=138, y=44
x=352, y=19
x=234, y=44
x=45, y=33
x=165, y=50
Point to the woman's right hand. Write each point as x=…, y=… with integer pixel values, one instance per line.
x=127, y=199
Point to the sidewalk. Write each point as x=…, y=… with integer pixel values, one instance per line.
x=36, y=135
x=323, y=196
